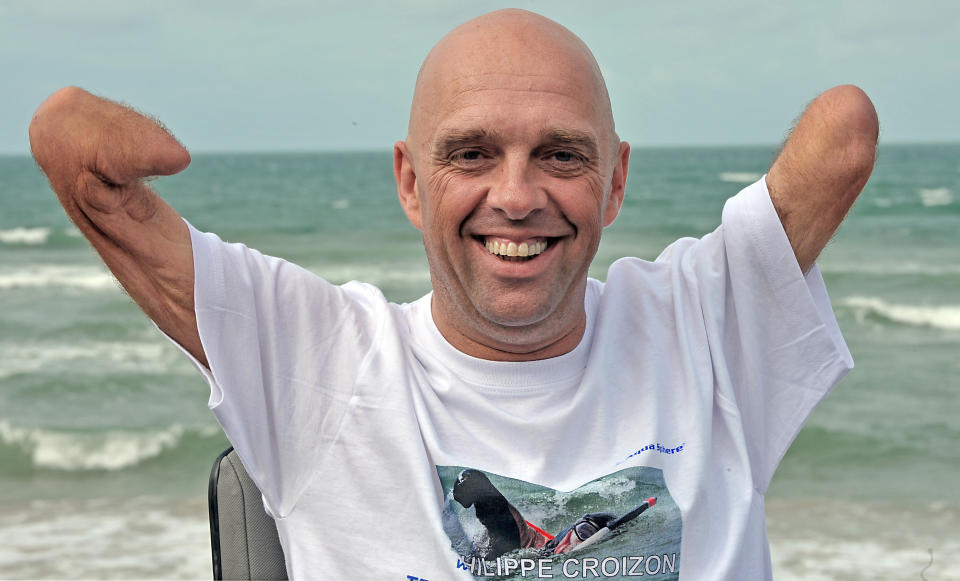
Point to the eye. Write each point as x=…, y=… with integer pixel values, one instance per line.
x=469, y=158
x=564, y=160
x=467, y=155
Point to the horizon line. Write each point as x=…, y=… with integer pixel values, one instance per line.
x=389, y=148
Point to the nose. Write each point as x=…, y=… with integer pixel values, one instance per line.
x=514, y=191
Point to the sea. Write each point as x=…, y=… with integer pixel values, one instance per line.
x=106, y=442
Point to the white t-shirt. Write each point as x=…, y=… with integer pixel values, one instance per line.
x=356, y=418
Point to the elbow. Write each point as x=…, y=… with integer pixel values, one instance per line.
x=856, y=108
x=856, y=128
x=54, y=105
x=44, y=130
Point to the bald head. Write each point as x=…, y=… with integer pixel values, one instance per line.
x=511, y=145
x=508, y=49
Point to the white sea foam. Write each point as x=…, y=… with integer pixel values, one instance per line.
x=100, y=350
x=45, y=276
x=467, y=521
x=98, y=278
x=833, y=266
x=941, y=317
x=107, y=450
x=816, y=559
x=822, y=539
x=935, y=196
x=108, y=357
x=124, y=538
x=25, y=236
x=607, y=488
x=739, y=177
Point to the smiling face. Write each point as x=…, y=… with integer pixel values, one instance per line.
x=511, y=170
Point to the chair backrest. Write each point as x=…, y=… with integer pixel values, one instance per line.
x=243, y=537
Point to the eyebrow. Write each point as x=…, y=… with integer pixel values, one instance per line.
x=455, y=138
x=579, y=139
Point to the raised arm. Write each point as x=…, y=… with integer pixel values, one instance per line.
x=96, y=154
x=823, y=167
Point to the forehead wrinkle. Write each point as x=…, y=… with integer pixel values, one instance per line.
x=467, y=89
x=456, y=96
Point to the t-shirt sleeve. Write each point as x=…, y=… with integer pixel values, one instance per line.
x=774, y=342
x=284, y=349
x=790, y=352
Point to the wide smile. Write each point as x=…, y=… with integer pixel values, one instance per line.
x=503, y=257
x=514, y=251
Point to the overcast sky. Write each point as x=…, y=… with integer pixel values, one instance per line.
x=224, y=76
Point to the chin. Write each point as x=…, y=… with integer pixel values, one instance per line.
x=512, y=315
x=515, y=308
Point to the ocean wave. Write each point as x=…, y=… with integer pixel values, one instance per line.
x=824, y=538
x=831, y=266
x=128, y=537
x=739, y=177
x=46, y=276
x=941, y=317
x=102, y=450
x=610, y=487
x=141, y=357
x=930, y=197
x=22, y=235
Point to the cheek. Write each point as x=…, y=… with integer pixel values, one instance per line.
x=448, y=200
x=439, y=181
x=583, y=203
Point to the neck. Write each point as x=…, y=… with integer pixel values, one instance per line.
x=523, y=343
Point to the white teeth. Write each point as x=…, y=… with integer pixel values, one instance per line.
x=514, y=249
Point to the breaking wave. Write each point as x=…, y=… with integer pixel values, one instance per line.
x=833, y=266
x=739, y=177
x=108, y=356
x=46, y=276
x=941, y=317
x=95, y=450
x=22, y=235
x=930, y=197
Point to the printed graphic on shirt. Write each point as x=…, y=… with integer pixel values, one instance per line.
x=620, y=526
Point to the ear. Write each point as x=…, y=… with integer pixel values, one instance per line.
x=406, y=177
x=618, y=184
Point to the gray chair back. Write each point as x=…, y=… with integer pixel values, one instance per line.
x=243, y=537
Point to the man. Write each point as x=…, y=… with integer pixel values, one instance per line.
x=345, y=408
x=507, y=530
